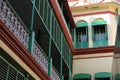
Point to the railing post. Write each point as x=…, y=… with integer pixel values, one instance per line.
x=69, y=75
x=49, y=53
x=50, y=67
x=31, y=41
x=62, y=78
x=32, y=16
x=32, y=34
x=75, y=37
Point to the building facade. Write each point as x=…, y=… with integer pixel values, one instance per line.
x=35, y=40
x=94, y=36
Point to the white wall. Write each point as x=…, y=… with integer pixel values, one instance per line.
x=111, y=26
x=92, y=65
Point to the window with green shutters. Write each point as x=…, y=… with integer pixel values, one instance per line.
x=81, y=35
x=100, y=37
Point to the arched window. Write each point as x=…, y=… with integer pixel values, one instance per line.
x=100, y=37
x=81, y=34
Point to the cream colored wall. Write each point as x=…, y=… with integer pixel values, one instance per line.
x=115, y=65
x=92, y=64
x=112, y=29
x=111, y=26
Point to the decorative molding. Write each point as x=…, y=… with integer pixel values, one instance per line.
x=97, y=50
x=93, y=57
x=94, y=13
x=96, y=8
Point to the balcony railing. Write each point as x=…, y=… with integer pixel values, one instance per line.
x=17, y=27
x=40, y=57
x=14, y=24
x=55, y=75
x=47, y=15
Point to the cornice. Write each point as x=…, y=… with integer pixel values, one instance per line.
x=97, y=50
x=109, y=6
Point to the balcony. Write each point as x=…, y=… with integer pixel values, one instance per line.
x=16, y=25
x=20, y=31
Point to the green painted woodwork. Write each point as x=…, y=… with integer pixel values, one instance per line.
x=44, y=9
x=82, y=44
x=70, y=75
x=62, y=78
x=31, y=41
x=103, y=75
x=50, y=67
x=10, y=72
x=49, y=53
x=81, y=24
x=117, y=76
x=51, y=24
x=32, y=16
x=98, y=22
x=100, y=43
x=82, y=76
x=50, y=59
x=32, y=34
x=74, y=36
x=27, y=77
x=48, y=18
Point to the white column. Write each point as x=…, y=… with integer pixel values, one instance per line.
x=90, y=32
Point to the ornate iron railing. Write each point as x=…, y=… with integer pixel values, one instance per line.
x=14, y=24
x=55, y=75
x=17, y=27
x=39, y=56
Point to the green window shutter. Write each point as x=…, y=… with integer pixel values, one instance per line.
x=100, y=35
x=82, y=76
x=117, y=76
x=81, y=24
x=102, y=75
x=98, y=22
x=81, y=37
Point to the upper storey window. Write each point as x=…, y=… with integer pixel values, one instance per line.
x=81, y=34
x=100, y=37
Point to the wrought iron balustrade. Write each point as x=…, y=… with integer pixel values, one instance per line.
x=13, y=22
x=47, y=15
x=55, y=75
x=40, y=57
